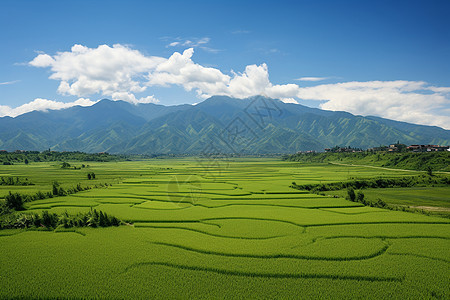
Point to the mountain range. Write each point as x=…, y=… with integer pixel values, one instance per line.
x=220, y=124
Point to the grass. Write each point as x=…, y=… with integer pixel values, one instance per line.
x=234, y=231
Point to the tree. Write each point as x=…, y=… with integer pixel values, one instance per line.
x=57, y=190
x=14, y=201
x=360, y=197
x=65, y=165
x=89, y=176
x=351, y=194
x=48, y=219
x=26, y=161
x=429, y=171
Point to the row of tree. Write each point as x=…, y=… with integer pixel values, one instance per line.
x=92, y=218
x=14, y=181
x=36, y=156
x=359, y=197
x=424, y=161
x=15, y=201
x=405, y=181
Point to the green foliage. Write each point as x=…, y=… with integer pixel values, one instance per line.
x=17, y=181
x=360, y=197
x=50, y=220
x=57, y=190
x=8, y=158
x=4, y=208
x=406, y=181
x=351, y=194
x=437, y=161
x=14, y=201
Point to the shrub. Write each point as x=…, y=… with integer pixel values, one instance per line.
x=49, y=220
x=4, y=209
x=14, y=201
x=351, y=194
x=360, y=197
x=57, y=190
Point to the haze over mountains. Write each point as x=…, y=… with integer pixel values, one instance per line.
x=256, y=125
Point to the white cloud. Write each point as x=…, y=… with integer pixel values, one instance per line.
x=180, y=70
x=192, y=42
x=312, y=78
x=409, y=101
x=129, y=97
x=121, y=73
x=253, y=81
x=289, y=100
x=105, y=70
x=9, y=82
x=42, y=105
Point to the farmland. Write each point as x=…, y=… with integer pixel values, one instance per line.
x=210, y=228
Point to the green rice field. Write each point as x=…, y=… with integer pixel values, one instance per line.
x=199, y=228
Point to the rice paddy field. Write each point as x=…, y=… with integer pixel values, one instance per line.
x=200, y=228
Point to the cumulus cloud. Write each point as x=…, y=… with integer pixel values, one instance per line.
x=103, y=70
x=42, y=105
x=181, y=70
x=121, y=73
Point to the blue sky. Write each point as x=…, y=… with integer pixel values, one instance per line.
x=386, y=58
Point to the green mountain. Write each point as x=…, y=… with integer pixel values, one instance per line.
x=219, y=124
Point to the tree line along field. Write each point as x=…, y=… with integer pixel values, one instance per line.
x=436, y=160
x=218, y=229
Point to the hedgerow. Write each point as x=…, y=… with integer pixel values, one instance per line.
x=438, y=161
x=49, y=220
x=14, y=181
x=406, y=181
x=15, y=201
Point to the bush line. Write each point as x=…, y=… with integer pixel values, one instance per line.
x=15, y=201
x=47, y=220
x=405, y=181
